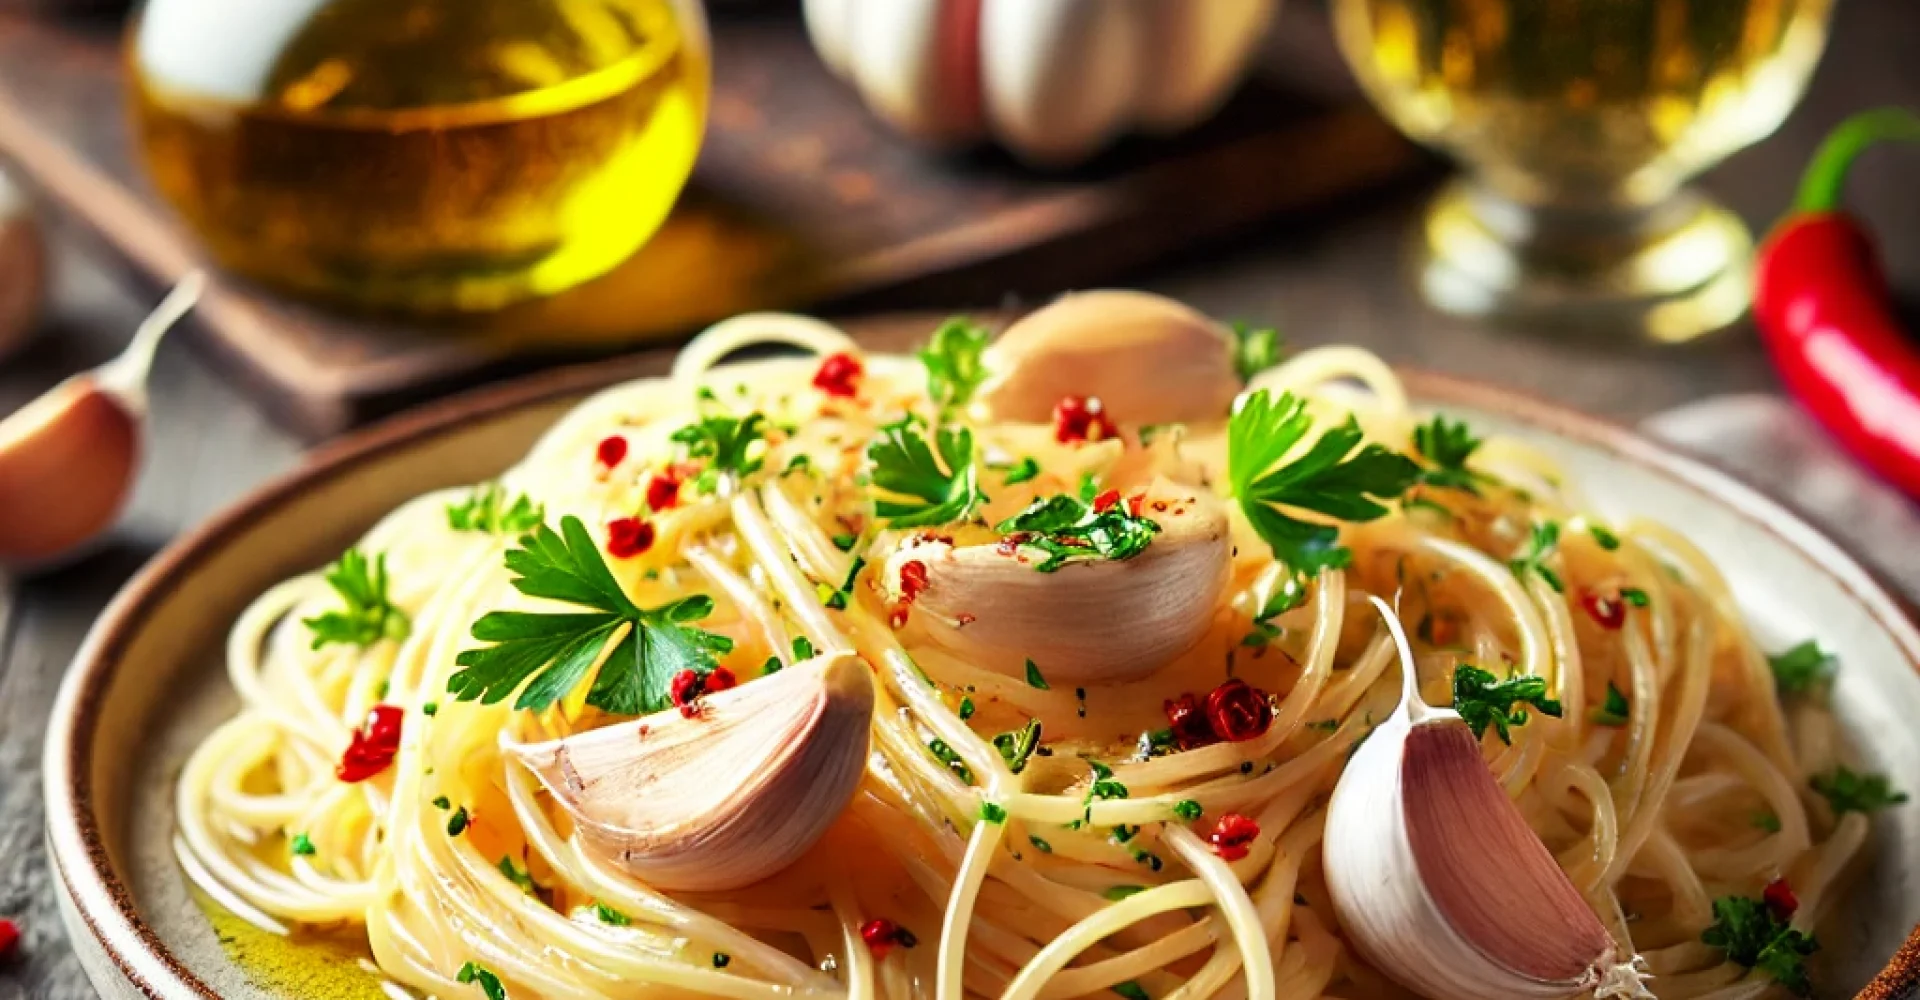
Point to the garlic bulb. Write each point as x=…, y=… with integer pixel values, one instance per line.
x=728, y=795
x=1147, y=358
x=1439, y=881
x=1089, y=620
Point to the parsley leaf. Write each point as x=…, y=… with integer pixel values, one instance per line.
x=726, y=442
x=303, y=846
x=993, y=812
x=1849, y=791
x=1021, y=471
x=369, y=616
x=473, y=972
x=1753, y=935
x=556, y=650
x=952, y=360
x=1541, y=544
x=1286, y=596
x=1254, y=349
x=1803, y=668
x=1447, y=444
x=1035, y=679
x=1482, y=701
x=1337, y=476
x=610, y=916
x=1017, y=746
x=948, y=756
x=518, y=876
x=1066, y=529
x=1614, y=711
x=486, y=510
x=1130, y=990
x=918, y=490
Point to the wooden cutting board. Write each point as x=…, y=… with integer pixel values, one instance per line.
x=800, y=199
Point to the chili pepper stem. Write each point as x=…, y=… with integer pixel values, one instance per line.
x=1824, y=182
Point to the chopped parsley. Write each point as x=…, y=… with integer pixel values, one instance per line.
x=1034, y=678
x=1803, y=668
x=1447, y=444
x=915, y=489
x=1634, y=596
x=303, y=846
x=845, y=542
x=1290, y=594
x=952, y=359
x=1130, y=990
x=1541, y=543
x=1337, y=476
x=948, y=756
x=430, y=709
x=1613, y=711
x=1255, y=349
x=1482, y=701
x=1040, y=845
x=1325, y=725
x=1022, y=471
x=459, y=822
x=993, y=812
x=1116, y=893
x=1102, y=787
x=1604, y=537
x=487, y=510
x=1017, y=746
x=836, y=599
x=610, y=916
x=802, y=648
x=1753, y=935
x=1767, y=821
x=1067, y=529
x=1187, y=809
x=733, y=446
x=555, y=650
x=478, y=974
x=518, y=876
x=1849, y=791
x=966, y=708
x=368, y=615
x=442, y=802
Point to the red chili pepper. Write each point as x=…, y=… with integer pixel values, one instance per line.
x=1105, y=501
x=838, y=375
x=1232, y=835
x=374, y=745
x=1610, y=612
x=718, y=679
x=663, y=490
x=913, y=579
x=1825, y=312
x=684, y=689
x=1081, y=418
x=611, y=451
x=628, y=537
x=1779, y=898
x=9, y=941
x=1237, y=711
x=883, y=935
x=1189, y=722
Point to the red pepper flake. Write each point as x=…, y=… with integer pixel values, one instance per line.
x=628, y=537
x=663, y=490
x=9, y=941
x=685, y=689
x=1082, y=418
x=1188, y=721
x=1236, y=711
x=897, y=618
x=1610, y=612
x=374, y=745
x=1105, y=501
x=838, y=375
x=612, y=451
x=913, y=580
x=883, y=935
x=1232, y=835
x=1133, y=504
x=718, y=679
x=1780, y=899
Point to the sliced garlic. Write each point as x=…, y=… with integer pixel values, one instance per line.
x=1147, y=358
x=1089, y=620
x=727, y=796
x=1437, y=878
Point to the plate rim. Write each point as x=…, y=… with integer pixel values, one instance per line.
x=76, y=845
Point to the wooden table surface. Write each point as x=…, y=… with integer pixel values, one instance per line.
x=1340, y=276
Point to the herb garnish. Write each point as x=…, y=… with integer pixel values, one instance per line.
x=1482, y=701
x=1102, y=787
x=1116, y=893
x=1447, y=444
x=518, y=876
x=952, y=360
x=1187, y=809
x=1034, y=678
x=1040, y=845
x=1067, y=528
x=557, y=649
x=917, y=490
x=1337, y=476
x=1604, y=537
x=1255, y=349
x=727, y=443
x=369, y=616
x=1022, y=471
x=303, y=846
x=1849, y=791
x=1613, y=711
x=486, y=510
x=1541, y=543
x=1634, y=596
x=836, y=598
x=473, y=972
x=1803, y=668
x=966, y=709
x=993, y=812
x=610, y=916
x=948, y=756
x=802, y=648
x=1017, y=746
x=1130, y=990
x=1290, y=594
x=1753, y=935
x=457, y=824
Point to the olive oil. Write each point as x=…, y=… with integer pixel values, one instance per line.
x=423, y=155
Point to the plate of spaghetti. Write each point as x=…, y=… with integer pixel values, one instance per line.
x=1121, y=652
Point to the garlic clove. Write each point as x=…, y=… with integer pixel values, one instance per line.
x=68, y=459
x=1089, y=620
x=1437, y=878
x=916, y=62
x=727, y=796
x=1147, y=358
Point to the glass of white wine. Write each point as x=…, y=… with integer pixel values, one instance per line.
x=1579, y=123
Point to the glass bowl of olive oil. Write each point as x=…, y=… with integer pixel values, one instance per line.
x=420, y=155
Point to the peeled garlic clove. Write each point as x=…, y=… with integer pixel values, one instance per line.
x=1439, y=881
x=728, y=796
x=1147, y=358
x=1089, y=620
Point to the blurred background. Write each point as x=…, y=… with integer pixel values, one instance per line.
x=399, y=199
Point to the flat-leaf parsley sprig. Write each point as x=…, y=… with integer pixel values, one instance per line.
x=1067, y=528
x=488, y=510
x=1338, y=476
x=1448, y=444
x=1753, y=935
x=555, y=650
x=952, y=358
x=1482, y=701
x=913, y=488
x=367, y=614
x=733, y=447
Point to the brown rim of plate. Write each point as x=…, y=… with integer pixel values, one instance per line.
x=77, y=849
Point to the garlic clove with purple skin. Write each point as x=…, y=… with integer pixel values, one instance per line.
x=68, y=459
x=1437, y=878
x=728, y=795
